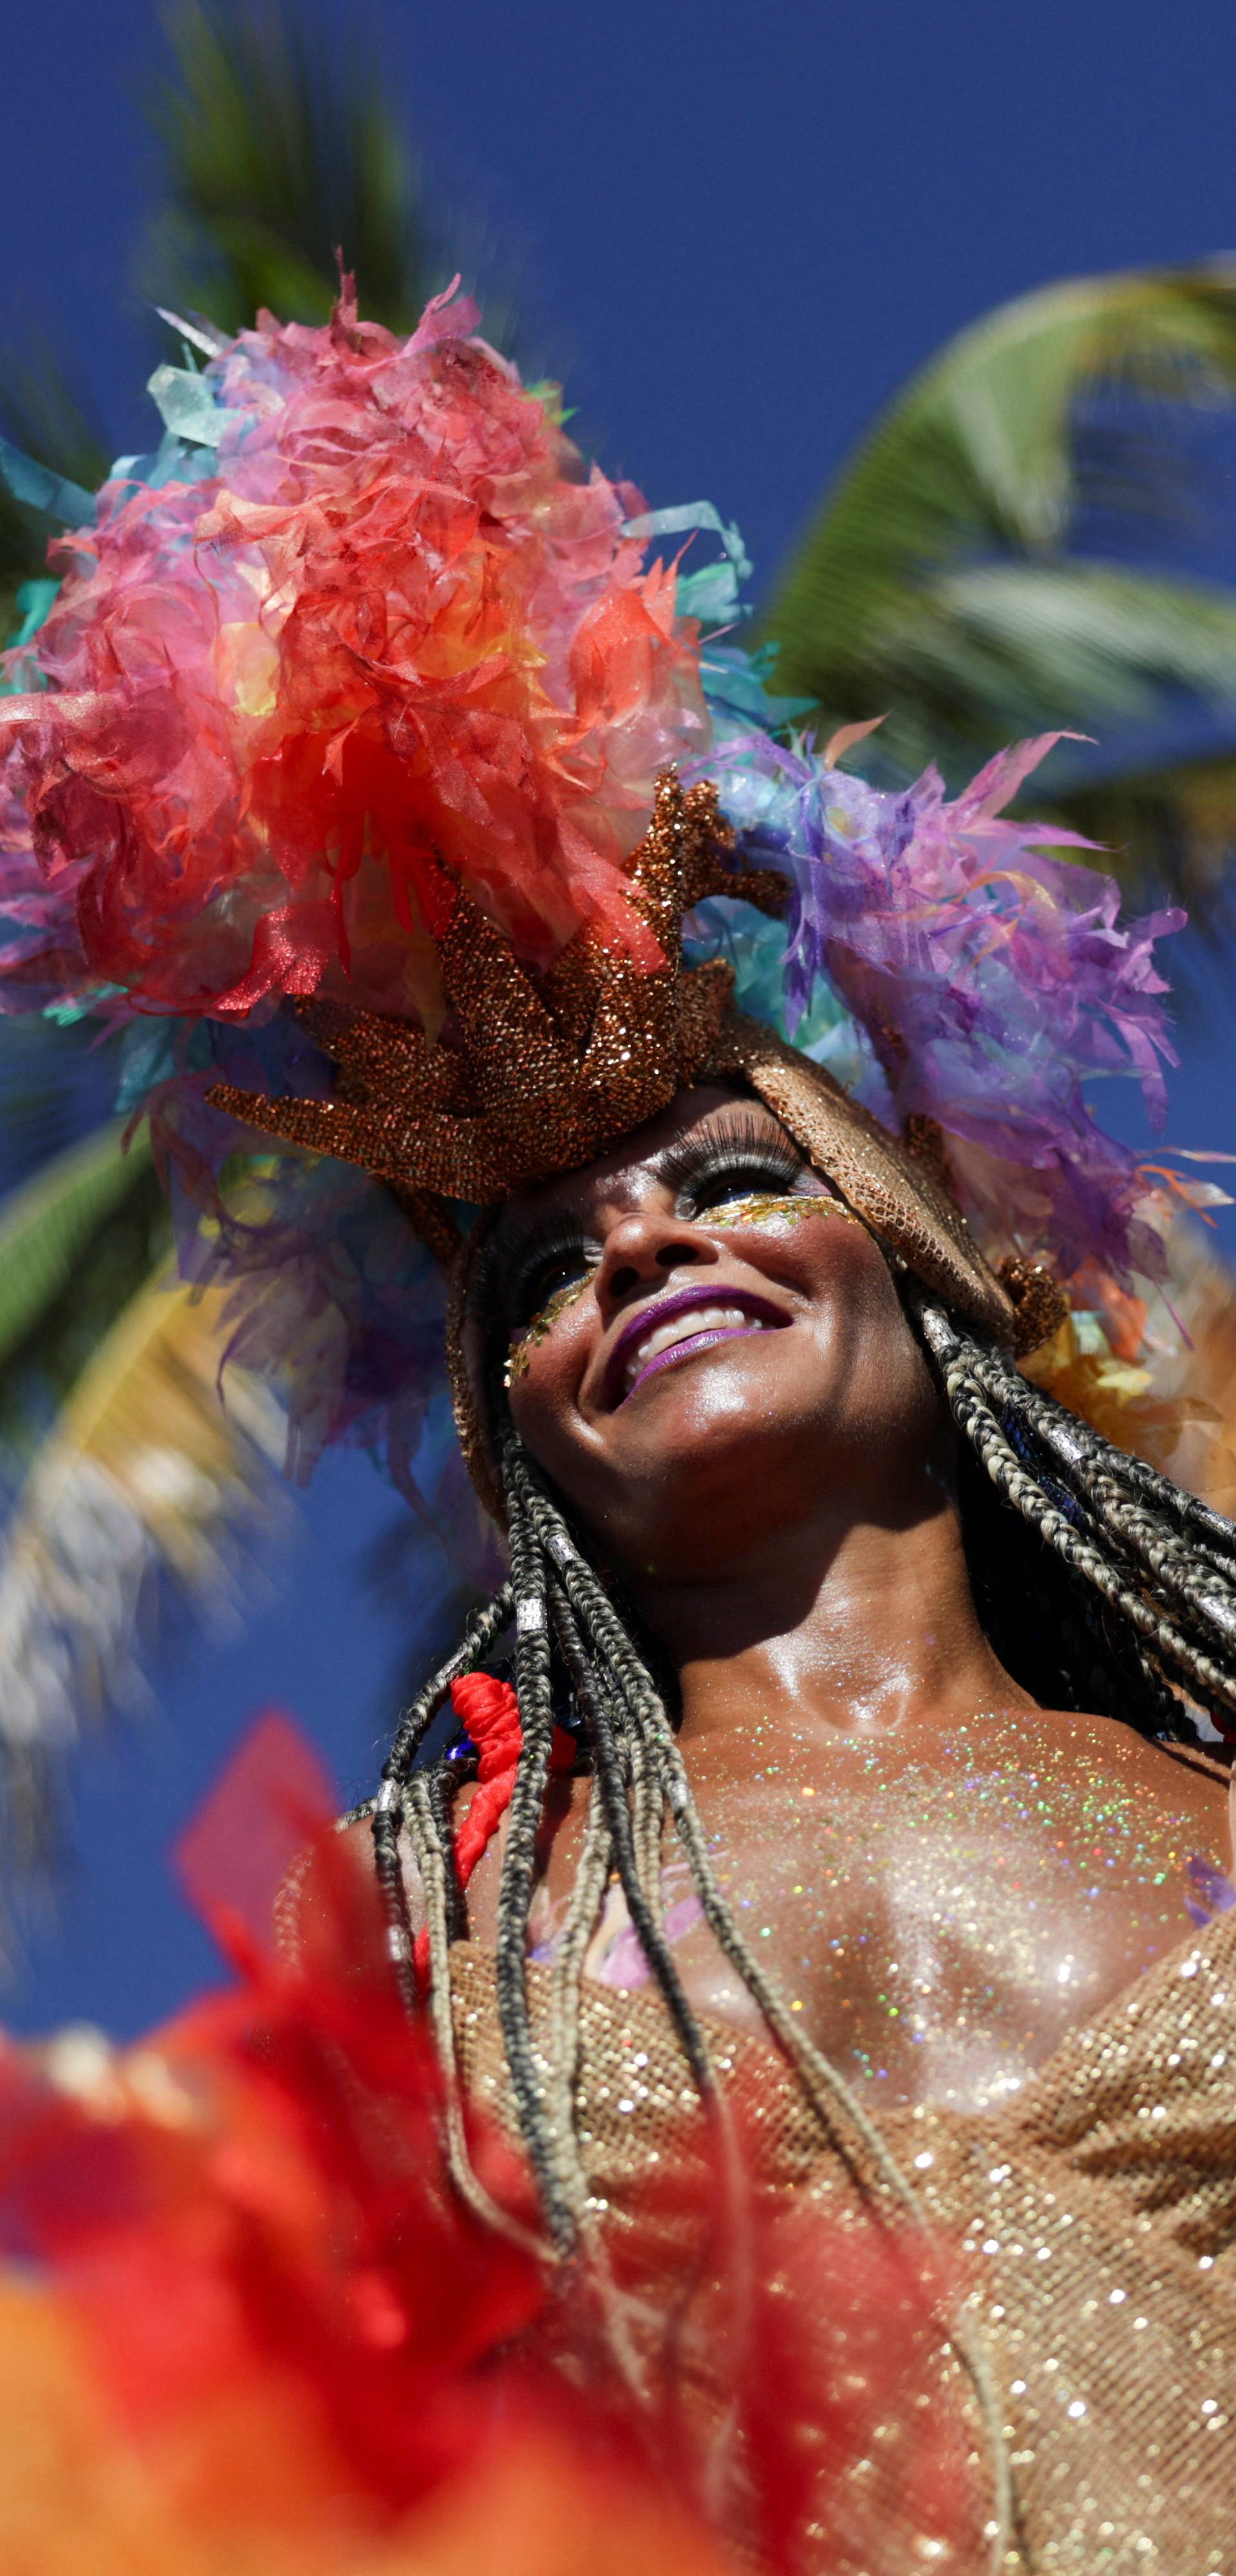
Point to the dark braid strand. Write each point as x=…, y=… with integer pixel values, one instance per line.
x=1202, y=1582
x=612, y=1780
x=480, y=1633
x=1101, y=1585
x=1074, y=1439
x=534, y=1693
x=1169, y=1614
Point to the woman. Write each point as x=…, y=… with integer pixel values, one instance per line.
x=746, y=1431
x=856, y=1760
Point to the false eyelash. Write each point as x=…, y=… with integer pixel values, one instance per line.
x=746, y=1143
x=535, y=1252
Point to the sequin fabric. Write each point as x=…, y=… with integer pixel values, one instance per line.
x=1094, y=2224
x=537, y=1076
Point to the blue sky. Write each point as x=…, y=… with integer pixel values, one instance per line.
x=732, y=232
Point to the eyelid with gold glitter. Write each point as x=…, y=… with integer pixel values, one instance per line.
x=536, y=1258
x=770, y=1162
x=748, y=1146
x=526, y=1337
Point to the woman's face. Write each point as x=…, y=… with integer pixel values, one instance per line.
x=706, y=1349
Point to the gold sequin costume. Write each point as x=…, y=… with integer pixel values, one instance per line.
x=1096, y=2222
x=1097, y=2218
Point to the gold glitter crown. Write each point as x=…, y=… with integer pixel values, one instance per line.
x=537, y=1076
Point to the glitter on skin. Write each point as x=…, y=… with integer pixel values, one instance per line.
x=543, y=1322
x=941, y=1914
x=760, y=1208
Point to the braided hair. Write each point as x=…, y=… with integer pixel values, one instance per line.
x=1100, y=1584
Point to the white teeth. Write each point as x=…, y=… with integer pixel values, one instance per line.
x=683, y=1328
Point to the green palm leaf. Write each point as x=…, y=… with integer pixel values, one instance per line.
x=128, y=1465
x=43, y=415
x=937, y=581
x=77, y=1242
x=279, y=154
x=48, y=1226
x=145, y=1472
x=979, y=655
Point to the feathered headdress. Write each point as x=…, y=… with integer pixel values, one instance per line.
x=330, y=784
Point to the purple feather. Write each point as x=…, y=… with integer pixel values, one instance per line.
x=992, y=978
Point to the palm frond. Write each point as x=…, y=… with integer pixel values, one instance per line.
x=942, y=579
x=45, y=416
x=279, y=153
x=47, y=1226
x=57, y=1086
x=1001, y=641
x=45, y=411
x=78, y=1241
x=145, y=1472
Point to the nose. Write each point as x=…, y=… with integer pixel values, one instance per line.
x=642, y=1250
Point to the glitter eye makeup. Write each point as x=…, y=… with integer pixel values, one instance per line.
x=738, y=1169
x=543, y=1322
x=545, y=1268
x=761, y=1208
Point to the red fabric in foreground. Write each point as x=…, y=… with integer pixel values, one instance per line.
x=275, y=1796
x=252, y=2325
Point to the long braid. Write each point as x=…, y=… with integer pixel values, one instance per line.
x=481, y=1633
x=566, y=1987
x=438, y=1788
x=582, y=1611
x=1199, y=1582
x=515, y=1886
x=431, y=1849
x=975, y=1418
x=1180, y=1615
x=1149, y=1604
x=1208, y=1532
x=613, y=1780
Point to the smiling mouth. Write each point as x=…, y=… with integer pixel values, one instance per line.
x=683, y=1327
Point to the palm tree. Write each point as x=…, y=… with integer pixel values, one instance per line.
x=280, y=151
x=121, y=1464
x=55, y=456
x=946, y=579
x=984, y=567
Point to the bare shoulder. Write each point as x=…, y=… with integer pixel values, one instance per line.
x=1176, y=1781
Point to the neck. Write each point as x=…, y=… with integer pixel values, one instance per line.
x=870, y=1631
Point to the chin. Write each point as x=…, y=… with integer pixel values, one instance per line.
x=705, y=1471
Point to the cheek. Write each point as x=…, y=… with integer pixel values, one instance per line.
x=542, y=1400
x=873, y=1383
x=850, y=1390
x=863, y=1343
